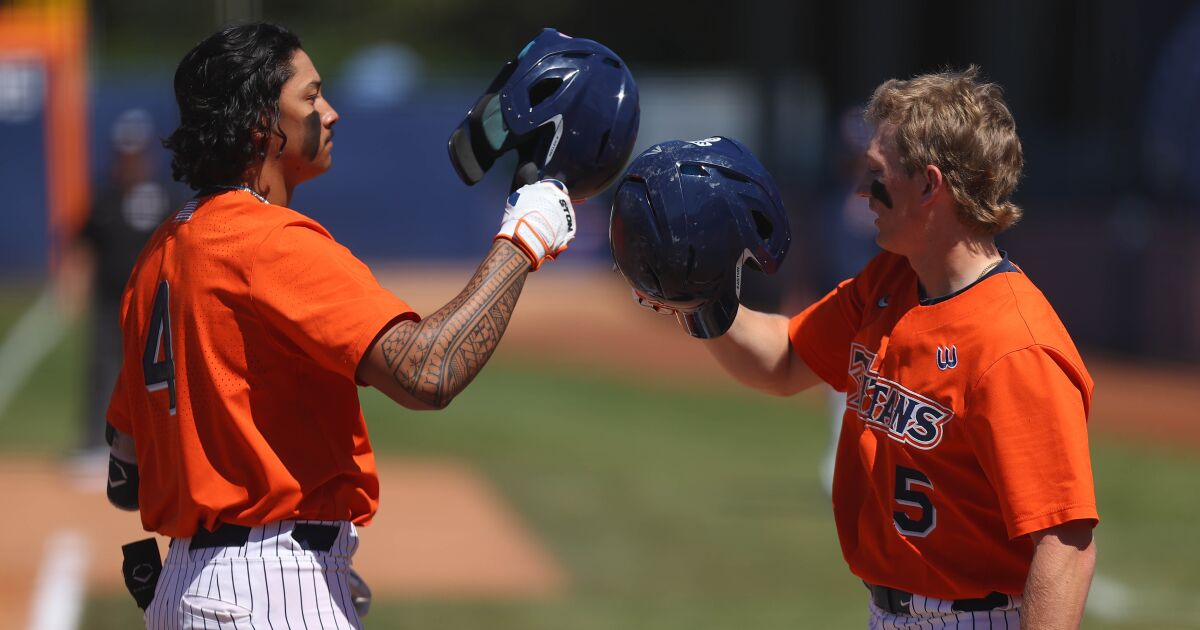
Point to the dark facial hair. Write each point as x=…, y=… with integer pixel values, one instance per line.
x=880, y=192
x=312, y=136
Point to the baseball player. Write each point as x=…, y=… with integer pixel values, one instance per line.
x=962, y=490
x=236, y=426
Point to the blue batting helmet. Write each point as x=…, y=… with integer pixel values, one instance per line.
x=685, y=219
x=568, y=106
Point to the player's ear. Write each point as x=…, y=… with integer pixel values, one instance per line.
x=260, y=135
x=258, y=138
x=934, y=182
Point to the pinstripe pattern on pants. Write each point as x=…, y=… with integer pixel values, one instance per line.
x=929, y=613
x=270, y=582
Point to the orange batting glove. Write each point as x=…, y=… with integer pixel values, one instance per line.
x=540, y=220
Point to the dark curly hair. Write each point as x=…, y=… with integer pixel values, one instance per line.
x=227, y=88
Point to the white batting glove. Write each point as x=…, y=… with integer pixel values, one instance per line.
x=540, y=220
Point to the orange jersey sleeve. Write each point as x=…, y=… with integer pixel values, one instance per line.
x=1027, y=423
x=821, y=334
x=314, y=292
x=118, y=414
x=118, y=409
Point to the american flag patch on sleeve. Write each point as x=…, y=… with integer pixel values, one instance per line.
x=185, y=213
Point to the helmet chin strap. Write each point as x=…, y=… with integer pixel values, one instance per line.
x=710, y=320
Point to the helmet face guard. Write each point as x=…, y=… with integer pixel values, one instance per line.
x=567, y=106
x=686, y=218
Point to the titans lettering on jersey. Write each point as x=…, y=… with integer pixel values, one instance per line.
x=888, y=407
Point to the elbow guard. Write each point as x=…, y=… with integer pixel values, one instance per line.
x=122, y=470
x=122, y=484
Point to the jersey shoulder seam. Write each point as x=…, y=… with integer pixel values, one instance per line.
x=1058, y=354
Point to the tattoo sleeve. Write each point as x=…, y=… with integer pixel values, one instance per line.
x=437, y=358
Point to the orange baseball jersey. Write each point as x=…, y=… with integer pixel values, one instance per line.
x=243, y=326
x=965, y=427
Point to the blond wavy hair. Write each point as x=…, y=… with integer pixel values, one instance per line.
x=954, y=121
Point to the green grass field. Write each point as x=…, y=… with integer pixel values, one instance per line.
x=678, y=506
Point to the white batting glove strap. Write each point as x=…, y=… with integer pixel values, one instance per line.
x=540, y=220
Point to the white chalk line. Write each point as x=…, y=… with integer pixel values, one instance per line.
x=28, y=341
x=59, y=591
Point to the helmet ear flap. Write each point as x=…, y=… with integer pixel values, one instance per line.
x=712, y=319
x=479, y=140
x=462, y=156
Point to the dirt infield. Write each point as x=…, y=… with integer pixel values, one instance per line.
x=442, y=532
x=577, y=316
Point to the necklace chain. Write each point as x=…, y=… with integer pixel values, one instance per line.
x=987, y=269
x=247, y=189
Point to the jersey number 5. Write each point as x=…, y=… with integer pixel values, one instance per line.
x=906, y=479
x=158, y=362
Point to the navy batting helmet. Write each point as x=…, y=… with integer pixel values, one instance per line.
x=686, y=217
x=568, y=106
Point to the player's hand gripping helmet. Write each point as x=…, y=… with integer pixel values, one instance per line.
x=686, y=217
x=569, y=107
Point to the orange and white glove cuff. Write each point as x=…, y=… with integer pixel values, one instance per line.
x=540, y=220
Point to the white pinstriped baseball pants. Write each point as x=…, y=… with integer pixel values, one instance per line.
x=270, y=582
x=934, y=614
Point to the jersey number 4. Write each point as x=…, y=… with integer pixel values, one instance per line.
x=158, y=362
x=907, y=494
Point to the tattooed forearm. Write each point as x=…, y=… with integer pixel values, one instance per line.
x=437, y=358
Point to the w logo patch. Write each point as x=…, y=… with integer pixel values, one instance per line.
x=947, y=358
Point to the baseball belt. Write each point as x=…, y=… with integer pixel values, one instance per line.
x=898, y=602
x=311, y=536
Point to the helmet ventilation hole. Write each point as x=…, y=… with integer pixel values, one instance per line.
x=736, y=176
x=762, y=224
x=693, y=169
x=543, y=90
